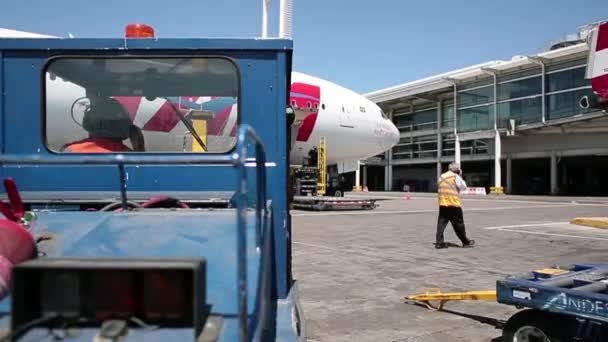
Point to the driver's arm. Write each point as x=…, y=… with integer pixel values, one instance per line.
x=137, y=139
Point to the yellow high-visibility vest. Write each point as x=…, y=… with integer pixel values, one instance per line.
x=447, y=191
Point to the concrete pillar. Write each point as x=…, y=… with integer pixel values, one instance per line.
x=554, y=188
x=457, y=150
x=358, y=176
x=564, y=173
x=388, y=169
x=388, y=177
x=509, y=175
x=457, y=140
x=439, y=137
x=364, y=175
x=439, y=169
x=497, y=153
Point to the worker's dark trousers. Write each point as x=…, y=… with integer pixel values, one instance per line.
x=453, y=215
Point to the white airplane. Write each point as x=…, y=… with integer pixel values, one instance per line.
x=354, y=127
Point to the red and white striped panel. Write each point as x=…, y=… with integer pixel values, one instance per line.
x=597, y=67
x=158, y=115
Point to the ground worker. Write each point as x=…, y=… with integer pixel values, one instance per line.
x=449, y=186
x=108, y=124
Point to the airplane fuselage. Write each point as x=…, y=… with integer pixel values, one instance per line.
x=354, y=127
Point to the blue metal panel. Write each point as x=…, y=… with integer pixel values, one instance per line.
x=282, y=219
x=209, y=234
x=80, y=44
x=22, y=104
x=265, y=306
x=140, y=178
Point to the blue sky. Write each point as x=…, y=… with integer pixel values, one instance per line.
x=362, y=45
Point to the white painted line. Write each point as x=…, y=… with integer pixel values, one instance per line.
x=394, y=212
x=552, y=234
x=325, y=247
x=391, y=197
x=375, y=212
x=434, y=198
x=526, y=225
x=511, y=201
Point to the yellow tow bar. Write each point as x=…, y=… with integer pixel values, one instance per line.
x=435, y=295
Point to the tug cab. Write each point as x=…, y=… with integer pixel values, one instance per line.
x=173, y=223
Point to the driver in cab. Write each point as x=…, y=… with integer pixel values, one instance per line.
x=108, y=124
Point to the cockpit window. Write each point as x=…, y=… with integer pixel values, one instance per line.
x=141, y=105
x=383, y=114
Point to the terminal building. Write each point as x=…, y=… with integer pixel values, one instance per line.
x=515, y=124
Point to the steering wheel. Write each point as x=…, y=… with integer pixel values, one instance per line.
x=165, y=202
x=116, y=205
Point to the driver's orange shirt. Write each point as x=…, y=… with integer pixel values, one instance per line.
x=97, y=145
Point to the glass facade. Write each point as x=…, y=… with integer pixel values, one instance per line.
x=565, y=104
x=419, y=120
x=525, y=110
x=519, y=98
x=448, y=115
x=475, y=96
x=476, y=118
x=416, y=147
x=467, y=147
x=573, y=78
x=520, y=88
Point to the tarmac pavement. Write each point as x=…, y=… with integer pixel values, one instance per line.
x=355, y=268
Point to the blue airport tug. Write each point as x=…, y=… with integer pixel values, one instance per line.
x=561, y=303
x=175, y=240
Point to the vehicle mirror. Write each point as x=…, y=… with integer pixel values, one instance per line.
x=79, y=107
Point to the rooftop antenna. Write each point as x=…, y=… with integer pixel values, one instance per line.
x=285, y=19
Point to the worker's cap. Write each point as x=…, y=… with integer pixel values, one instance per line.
x=107, y=118
x=454, y=167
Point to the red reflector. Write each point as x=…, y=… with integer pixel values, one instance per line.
x=139, y=31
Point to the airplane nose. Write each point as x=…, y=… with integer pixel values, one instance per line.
x=397, y=135
x=393, y=137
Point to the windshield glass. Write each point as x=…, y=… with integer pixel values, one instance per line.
x=141, y=105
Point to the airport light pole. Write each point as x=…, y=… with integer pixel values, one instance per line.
x=265, y=6
x=285, y=18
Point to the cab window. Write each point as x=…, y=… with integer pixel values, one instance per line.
x=117, y=105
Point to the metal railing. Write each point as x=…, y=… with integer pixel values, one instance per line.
x=238, y=159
